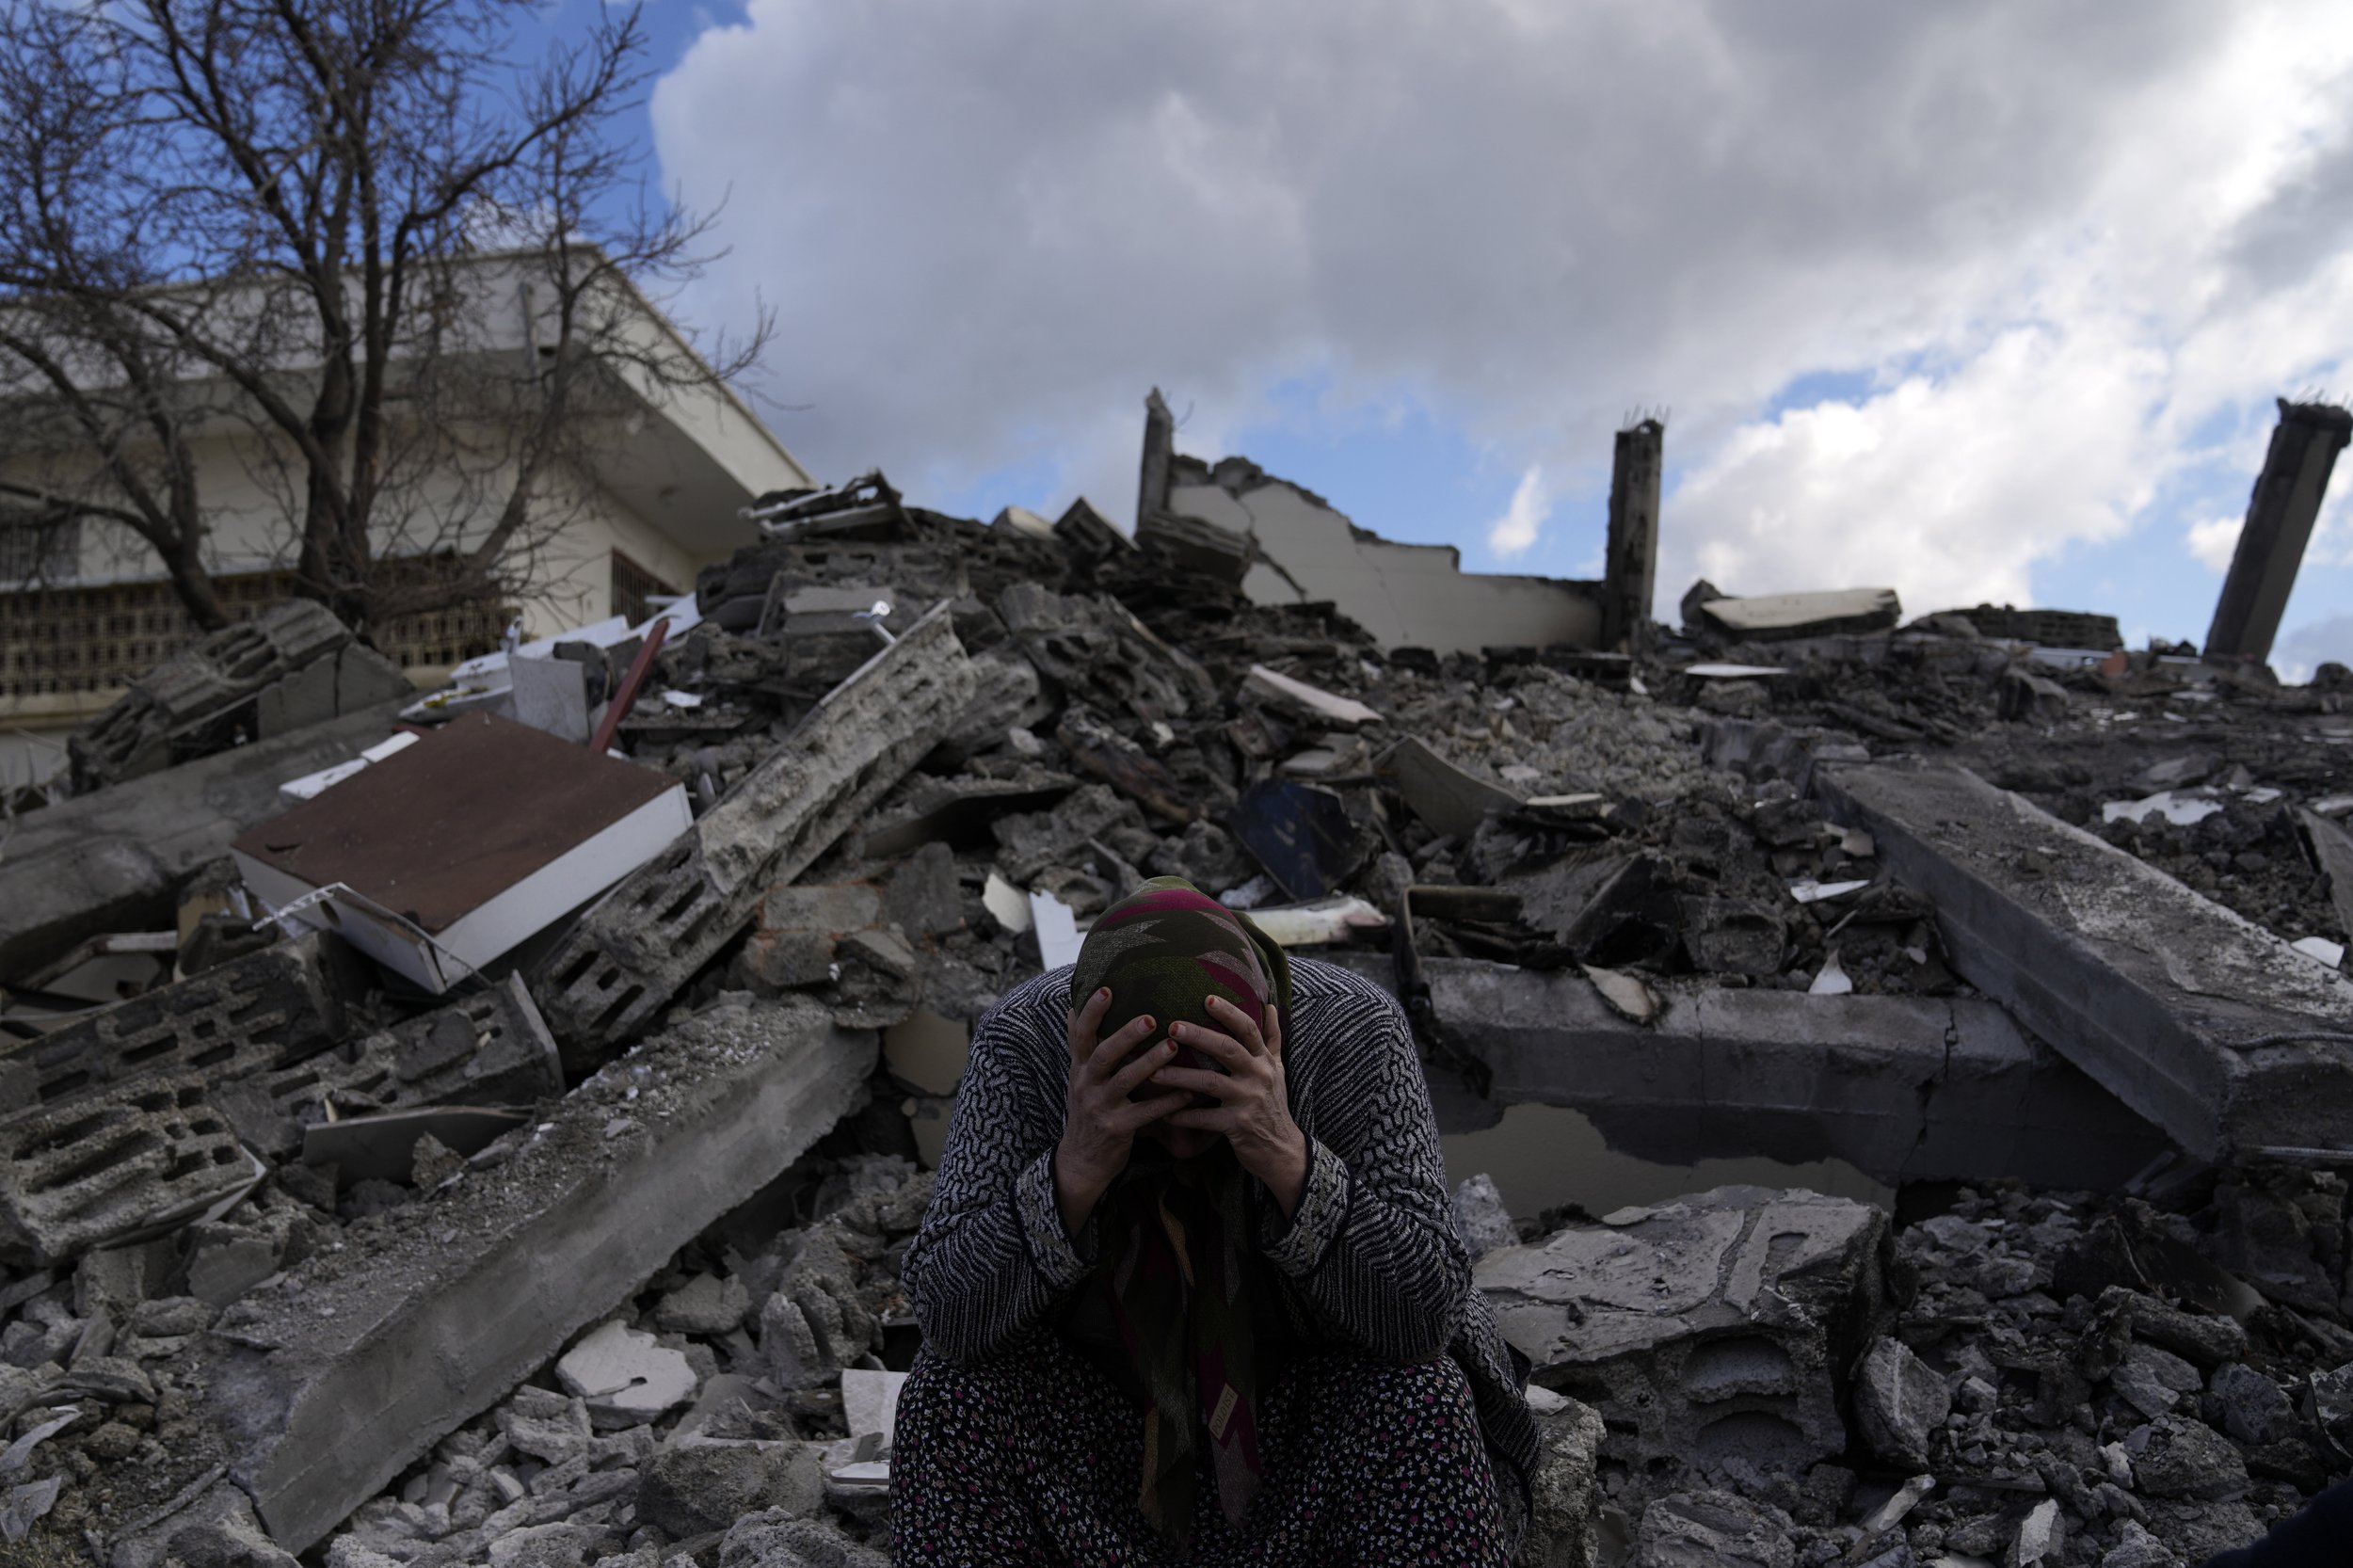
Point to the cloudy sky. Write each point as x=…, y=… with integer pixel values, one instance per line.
x=1986, y=302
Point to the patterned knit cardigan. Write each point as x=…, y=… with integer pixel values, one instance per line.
x=1372, y=1257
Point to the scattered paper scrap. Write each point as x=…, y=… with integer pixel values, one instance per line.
x=1830, y=981
x=1806, y=890
x=2181, y=808
x=1057, y=930
x=2321, y=950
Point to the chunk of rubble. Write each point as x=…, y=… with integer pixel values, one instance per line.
x=624, y=960
x=1709, y=1329
x=325, y=1384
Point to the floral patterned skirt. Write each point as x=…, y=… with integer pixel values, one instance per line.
x=1034, y=1460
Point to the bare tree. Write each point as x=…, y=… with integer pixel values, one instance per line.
x=403, y=265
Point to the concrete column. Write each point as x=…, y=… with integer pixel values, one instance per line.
x=1159, y=449
x=1632, y=572
x=2279, y=514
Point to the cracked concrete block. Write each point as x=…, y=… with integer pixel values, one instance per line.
x=693, y=1489
x=707, y=1304
x=1907, y=1088
x=268, y=1009
x=1715, y=1327
x=140, y=1155
x=625, y=958
x=2194, y=1017
x=322, y=1385
x=1561, y=1530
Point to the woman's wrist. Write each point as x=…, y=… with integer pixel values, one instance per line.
x=1283, y=1171
x=1075, y=1196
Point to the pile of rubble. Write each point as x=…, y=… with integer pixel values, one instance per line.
x=486, y=1129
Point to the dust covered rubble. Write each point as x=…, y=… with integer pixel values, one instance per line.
x=1133, y=717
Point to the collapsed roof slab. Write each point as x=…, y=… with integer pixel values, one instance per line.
x=2203, y=1022
x=1904, y=1088
x=113, y=860
x=323, y=1384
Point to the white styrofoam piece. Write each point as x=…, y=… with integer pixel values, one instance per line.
x=2322, y=950
x=870, y=1401
x=1057, y=930
x=1807, y=891
x=1831, y=980
x=1006, y=902
x=2181, y=808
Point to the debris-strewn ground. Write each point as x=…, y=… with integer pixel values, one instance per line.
x=2128, y=1378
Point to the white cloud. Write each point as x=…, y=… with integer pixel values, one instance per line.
x=1515, y=529
x=2056, y=242
x=2214, y=541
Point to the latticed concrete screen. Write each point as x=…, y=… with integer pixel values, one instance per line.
x=91, y=639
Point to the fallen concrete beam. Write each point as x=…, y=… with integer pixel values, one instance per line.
x=268, y=1009
x=1905, y=1088
x=325, y=1384
x=2201, y=1021
x=113, y=860
x=625, y=959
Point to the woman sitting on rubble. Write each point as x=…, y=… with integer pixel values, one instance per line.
x=1190, y=1284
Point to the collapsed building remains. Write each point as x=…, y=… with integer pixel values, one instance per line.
x=407, y=1165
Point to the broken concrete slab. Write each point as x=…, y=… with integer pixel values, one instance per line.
x=1311, y=702
x=1905, y=1088
x=1764, y=617
x=321, y=1386
x=267, y=1010
x=1716, y=1327
x=623, y=961
x=115, y=861
x=623, y=1376
x=1447, y=798
x=292, y=665
x=2206, y=1024
x=490, y=1049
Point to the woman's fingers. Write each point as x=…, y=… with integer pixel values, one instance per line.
x=1218, y=1086
x=1132, y=1116
x=1240, y=1025
x=1218, y=1048
x=1208, y=1118
x=1085, y=1021
x=1114, y=1051
x=1129, y=1077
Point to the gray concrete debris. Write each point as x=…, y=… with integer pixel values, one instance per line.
x=776, y=1538
x=1898, y=1403
x=695, y=1489
x=1904, y=1087
x=1711, y=1329
x=1561, y=1526
x=144, y=1155
x=624, y=960
x=1480, y=1219
x=292, y=665
x=1721, y=1528
x=2198, y=1019
x=327, y=1383
x=267, y=1010
x=115, y=861
x=2176, y=1456
x=490, y=1049
x=2042, y=1536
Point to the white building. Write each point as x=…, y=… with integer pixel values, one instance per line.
x=654, y=498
